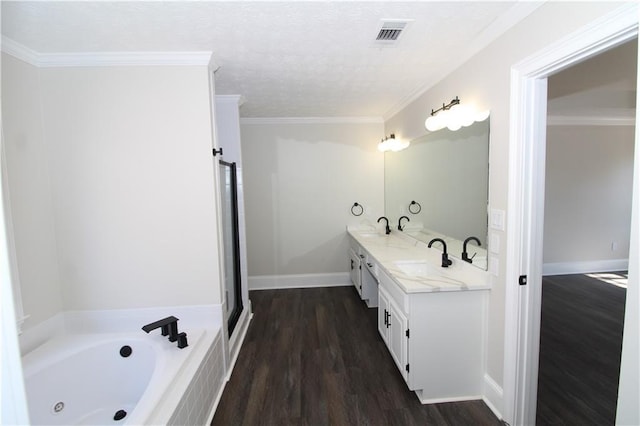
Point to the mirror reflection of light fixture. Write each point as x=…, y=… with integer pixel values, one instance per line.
x=454, y=116
x=390, y=143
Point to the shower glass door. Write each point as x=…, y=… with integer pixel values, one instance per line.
x=231, y=240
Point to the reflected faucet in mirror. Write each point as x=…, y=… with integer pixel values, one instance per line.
x=387, y=230
x=446, y=262
x=400, y=222
x=465, y=255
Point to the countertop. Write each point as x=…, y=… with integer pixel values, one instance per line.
x=389, y=251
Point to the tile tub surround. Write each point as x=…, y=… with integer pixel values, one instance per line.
x=397, y=247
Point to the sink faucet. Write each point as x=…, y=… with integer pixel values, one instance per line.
x=445, y=257
x=400, y=220
x=168, y=326
x=465, y=255
x=387, y=230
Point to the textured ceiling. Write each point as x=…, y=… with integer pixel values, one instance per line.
x=288, y=59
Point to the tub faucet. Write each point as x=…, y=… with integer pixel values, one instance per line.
x=387, y=230
x=465, y=255
x=169, y=326
x=400, y=222
x=445, y=257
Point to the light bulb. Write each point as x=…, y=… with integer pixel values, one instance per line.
x=481, y=115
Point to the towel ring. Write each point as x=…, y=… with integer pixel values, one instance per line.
x=415, y=210
x=354, y=209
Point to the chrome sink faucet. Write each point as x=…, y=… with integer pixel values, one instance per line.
x=446, y=262
x=387, y=230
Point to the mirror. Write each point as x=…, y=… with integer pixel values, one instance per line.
x=446, y=173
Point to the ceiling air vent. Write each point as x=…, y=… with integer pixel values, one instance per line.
x=390, y=31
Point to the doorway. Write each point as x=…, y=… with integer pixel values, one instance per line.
x=526, y=217
x=587, y=221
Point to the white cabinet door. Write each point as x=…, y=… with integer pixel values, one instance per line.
x=398, y=339
x=383, y=315
x=355, y=271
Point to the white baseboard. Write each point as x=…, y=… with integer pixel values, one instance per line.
x=563, y=268
x=492, y=395
x=270, y=282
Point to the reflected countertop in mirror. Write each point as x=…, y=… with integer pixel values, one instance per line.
x=446, y=173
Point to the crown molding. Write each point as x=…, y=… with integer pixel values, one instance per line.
x=19, y=51
x=566, y=120
x=517, y=13
x=104, y=59
x=311, y=120
x=232, y=99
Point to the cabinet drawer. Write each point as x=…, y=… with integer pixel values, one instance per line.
x=396, y=294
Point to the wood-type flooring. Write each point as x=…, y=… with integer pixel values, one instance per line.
x=580, y=348
x=314, y=357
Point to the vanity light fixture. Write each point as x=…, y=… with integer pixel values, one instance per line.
x=454, y=116
x=390, y=143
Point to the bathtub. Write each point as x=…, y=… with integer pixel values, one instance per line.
x=122, y=378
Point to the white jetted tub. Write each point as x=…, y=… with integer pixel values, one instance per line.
x=114, y=378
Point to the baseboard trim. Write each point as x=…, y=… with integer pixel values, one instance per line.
x=450, y=399
x=492, y=395
x=271, y=282
x=563, y=268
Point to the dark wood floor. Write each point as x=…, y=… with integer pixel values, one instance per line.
x=580, y=347
x=314, y=357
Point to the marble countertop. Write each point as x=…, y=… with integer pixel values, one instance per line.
x=391, y=251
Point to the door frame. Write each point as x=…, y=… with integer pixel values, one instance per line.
x=527, y=144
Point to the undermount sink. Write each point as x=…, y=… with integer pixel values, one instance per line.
x=371, y=235
x=417, y=268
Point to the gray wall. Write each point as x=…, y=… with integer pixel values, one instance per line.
x=589, y=182
x=301, y=180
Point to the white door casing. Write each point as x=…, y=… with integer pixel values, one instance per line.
x=526, y=208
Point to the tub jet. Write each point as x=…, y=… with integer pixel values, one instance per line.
x=119, y=415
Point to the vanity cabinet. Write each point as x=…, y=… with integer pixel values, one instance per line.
x=433, y=323
x=435, y=339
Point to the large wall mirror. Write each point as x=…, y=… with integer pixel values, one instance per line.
x=446, y=174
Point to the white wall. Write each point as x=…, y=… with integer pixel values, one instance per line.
x=485, y=80
x=30, y=190
x=128, y=219
x=132, y=173
x=588, y=187
x=301, y=180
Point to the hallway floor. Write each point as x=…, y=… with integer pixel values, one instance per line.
x=580, y=347
x=314, y=357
